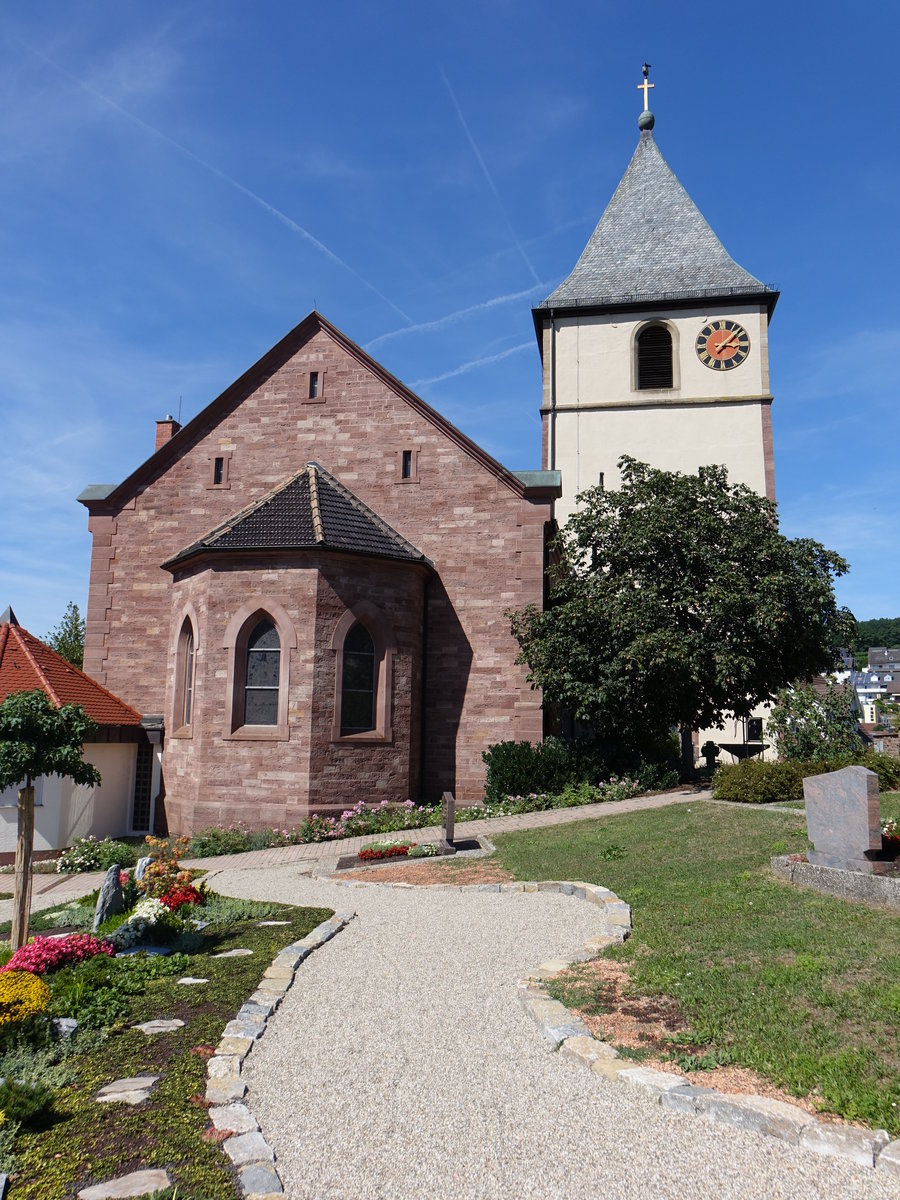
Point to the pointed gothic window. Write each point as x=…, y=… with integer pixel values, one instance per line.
x=358, y=682
x=261, y=678
x=654, y=357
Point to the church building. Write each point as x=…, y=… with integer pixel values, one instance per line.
x=303, y=590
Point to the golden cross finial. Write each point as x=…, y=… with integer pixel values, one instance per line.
x=646, y=86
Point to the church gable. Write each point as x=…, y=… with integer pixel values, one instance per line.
x=223, y=507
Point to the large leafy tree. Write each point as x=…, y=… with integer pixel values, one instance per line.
x=67, y=638
x=37, y=738
x=675, y=601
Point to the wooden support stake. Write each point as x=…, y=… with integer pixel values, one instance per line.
x=24, y=847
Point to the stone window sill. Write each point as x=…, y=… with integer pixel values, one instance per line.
x=184, y=733
x=258, y=733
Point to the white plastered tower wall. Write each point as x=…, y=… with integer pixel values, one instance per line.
x=654, y=260
x=597, y=412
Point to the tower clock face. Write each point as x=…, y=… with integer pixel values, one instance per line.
x=722, y=345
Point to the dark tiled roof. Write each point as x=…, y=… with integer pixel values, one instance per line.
x=310, y=511
x=26, y=664
x=652, y=243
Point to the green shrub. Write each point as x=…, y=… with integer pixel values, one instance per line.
x=520, y=768
x=27, y=1104
x=89, y=854
x=757, y=782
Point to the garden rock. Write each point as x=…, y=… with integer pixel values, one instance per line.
x=110, y=901
x=264, y=924
x=140, y=869
x=192, y=979
x=261, y=1180
x=63, y=1027
x=159, y=1026
x=844, y=1141
x=138, y=1183
x=887, y=1160
x=132, y=1090
x=248, y=1148
x=152, y=951
x=237, y=1118
x=233, y=954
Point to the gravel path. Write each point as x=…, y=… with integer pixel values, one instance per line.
x=402, y=1065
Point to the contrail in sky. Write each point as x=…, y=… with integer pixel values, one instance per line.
x=473, y=365
x=449, y=319
x=487, y=175
x=208, y=166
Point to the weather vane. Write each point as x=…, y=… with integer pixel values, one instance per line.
x=646, y=86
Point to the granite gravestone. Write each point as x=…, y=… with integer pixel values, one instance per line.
x=110, y=900
x=843, y=818
x=448, y=816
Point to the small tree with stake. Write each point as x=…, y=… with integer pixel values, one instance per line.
x=37, y=738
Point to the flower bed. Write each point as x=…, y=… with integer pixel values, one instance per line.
x=45, y=954
x=378, y=850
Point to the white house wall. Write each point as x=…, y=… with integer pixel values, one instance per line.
x=64, y=810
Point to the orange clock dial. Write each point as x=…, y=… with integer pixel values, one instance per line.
x=722, y=345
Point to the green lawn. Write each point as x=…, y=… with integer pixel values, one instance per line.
x=803, y=988
x=87, y=1142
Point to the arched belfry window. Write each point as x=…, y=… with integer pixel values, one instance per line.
x=654, y=357
x=261, y=676
x=358, y=682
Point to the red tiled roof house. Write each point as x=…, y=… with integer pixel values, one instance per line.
x=64, y=810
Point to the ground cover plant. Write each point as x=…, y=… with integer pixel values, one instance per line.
x=81, y=1142
x=54, y=1137
x=798, y=987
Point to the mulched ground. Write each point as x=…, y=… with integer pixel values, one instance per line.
x=427, y=874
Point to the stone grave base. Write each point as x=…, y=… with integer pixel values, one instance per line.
x=835, y=881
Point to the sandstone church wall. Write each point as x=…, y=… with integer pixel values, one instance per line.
x=484, y=537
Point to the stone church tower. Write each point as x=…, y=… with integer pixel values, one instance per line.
x=656, y=345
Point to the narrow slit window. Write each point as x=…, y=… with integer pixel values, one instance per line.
x=406, y=465
x=600, y=483
x=188, y=678
x=313, y=385
x=218, y=471
x=654, y=358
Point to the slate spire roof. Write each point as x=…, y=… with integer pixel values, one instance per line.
x=26, y=665
x=652, y=244
x=309, y=511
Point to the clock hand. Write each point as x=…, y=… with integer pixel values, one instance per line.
x=727, y=342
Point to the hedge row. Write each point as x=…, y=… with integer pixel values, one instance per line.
x=756, y=782
x=520, y=768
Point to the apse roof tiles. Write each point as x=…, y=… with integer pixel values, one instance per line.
x=652, y=244
x=26, y=664
x=309, y=511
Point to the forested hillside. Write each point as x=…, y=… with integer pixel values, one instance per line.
x=882, y=631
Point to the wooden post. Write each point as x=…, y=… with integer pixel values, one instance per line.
x=24, y=846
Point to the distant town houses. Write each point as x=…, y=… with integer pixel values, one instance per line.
x=877, y=685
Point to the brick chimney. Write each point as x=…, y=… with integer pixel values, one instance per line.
x=165, y=429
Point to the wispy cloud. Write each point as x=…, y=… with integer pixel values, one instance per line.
x=490, y=181
x=458, y=315
x=473, y=365
x=280, y=216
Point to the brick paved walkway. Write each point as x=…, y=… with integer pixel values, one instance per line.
x=317, y=853
x=50, y=891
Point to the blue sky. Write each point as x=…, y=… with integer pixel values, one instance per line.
x=181, y=183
